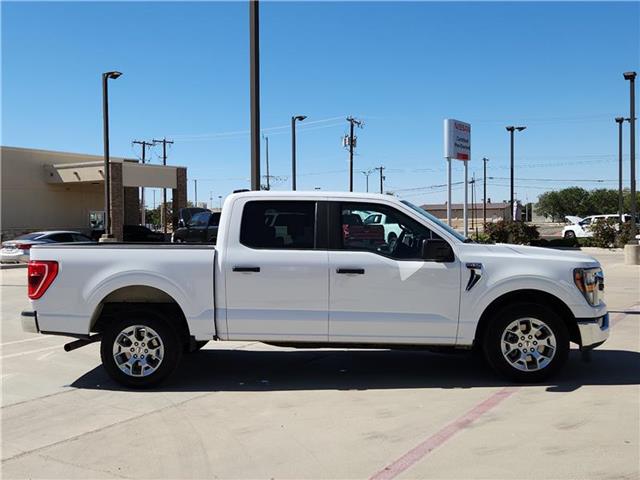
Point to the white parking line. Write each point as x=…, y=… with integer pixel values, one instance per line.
x=40, y=337
x=32, y=351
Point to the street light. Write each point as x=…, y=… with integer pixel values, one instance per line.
x=631, y=76
x=298, y=118
x=105, y=121
x=511, y=129
x=620, y=121
x=366, y=173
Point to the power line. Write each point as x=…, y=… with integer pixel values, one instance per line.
x=144, y=144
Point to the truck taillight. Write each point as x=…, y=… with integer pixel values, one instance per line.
x=24, y=246
x=40, y=275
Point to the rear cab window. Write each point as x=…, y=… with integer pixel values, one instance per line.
x=279, y=225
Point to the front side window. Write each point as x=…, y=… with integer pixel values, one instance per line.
x=278, y=224
x=400, y=237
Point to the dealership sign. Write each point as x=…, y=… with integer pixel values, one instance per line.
x=457, y=140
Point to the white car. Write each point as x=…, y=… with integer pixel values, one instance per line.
x=392, y=229
x=581, y=227
x=319, y=278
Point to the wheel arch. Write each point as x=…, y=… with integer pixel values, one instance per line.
x=540, y=297
x=139, y=297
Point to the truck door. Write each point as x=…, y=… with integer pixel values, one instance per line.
x=383, y=292
x=277, y=282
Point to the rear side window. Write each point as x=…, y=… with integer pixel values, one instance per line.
x=60, y=237
x=279, y=225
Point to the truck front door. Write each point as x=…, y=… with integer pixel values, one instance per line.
x=276, y=275
x=384, y=292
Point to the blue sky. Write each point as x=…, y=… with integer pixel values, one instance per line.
x=401, y=67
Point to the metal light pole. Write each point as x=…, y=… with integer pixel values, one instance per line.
x=620, y=121
x=631, y=76
x=298, y=118
x=511, y=129
x=254, y=80
x=484, y=193
x=366, y=173
x=266, y=141
x=220, y=201
x=105, y=121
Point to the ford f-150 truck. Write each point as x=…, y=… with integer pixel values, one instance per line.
x=308, y=281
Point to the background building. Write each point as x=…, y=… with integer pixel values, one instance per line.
x=45, y=190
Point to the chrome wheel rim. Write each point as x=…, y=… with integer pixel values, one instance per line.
x=528, y=344
x=138, y=351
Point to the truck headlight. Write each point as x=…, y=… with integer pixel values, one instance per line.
x=590, y=281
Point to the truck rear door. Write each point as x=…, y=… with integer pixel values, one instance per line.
x=276, y=272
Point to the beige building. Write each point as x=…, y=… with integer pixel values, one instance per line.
x=46, y=190
x=495, y=211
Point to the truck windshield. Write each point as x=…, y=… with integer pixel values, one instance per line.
x=435, y=220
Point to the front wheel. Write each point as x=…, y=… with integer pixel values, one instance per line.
x=140, y=350
x=526, y=342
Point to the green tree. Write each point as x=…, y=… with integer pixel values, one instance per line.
x=559, y=203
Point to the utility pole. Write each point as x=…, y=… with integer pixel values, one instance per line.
x=382, y=177
x=254, y=81
x=474, y=217
x=268, y=177
x=144, y=144
x=351, y=142
x=195, y=187
x=484, y=193
x=163, y=216
x=366, y=173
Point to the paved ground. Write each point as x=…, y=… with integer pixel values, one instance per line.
x=245, y=410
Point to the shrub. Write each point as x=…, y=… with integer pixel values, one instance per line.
x=512, y=232
x=624, y=235
x=482, y=237
x=604, y=233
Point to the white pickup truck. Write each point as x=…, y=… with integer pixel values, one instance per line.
x=315, y=280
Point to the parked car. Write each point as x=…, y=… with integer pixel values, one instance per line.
x=134, y=233
x=392, y=229
x=305, y=282
x=201, y=228
x=581, y=227
x=17, y=250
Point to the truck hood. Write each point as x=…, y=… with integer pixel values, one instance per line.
x=515, y=252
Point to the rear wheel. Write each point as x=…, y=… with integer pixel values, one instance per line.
x=392, y=239
x=569, y=234
x=526, y=342
x=141, y=349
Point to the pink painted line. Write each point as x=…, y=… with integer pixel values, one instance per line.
x=440, y=437
x=434, y=441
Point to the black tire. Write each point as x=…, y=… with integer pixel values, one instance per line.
x=569, y=234
x=391, y=239
x=169, y=338
x=540, y=315
x=196, y=346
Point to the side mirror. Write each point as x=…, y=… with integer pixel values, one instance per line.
x=436, y=250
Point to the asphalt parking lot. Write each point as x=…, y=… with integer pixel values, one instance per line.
x=246, y=410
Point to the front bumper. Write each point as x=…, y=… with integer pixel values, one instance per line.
x=29, y=322
x=593, y=331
